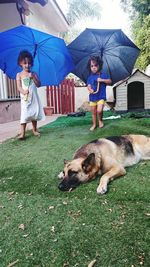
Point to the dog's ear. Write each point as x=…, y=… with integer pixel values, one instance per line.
x=66, y=161
x=88, y=163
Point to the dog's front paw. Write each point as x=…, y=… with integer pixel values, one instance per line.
x=101, y=189
x=61, y=175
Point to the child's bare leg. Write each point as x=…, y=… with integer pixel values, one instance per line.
x=100, y=115
x=23, y=129
x=34, y=128
x=94, y=114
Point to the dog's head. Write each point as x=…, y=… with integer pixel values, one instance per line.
x=77, y=171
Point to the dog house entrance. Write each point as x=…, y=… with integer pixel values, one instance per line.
x=135, y=96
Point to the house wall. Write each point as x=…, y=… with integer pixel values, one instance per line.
x=121, y=92
x=48, y=19
x=9, y=110
x=9, y=17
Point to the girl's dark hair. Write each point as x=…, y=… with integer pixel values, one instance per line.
x=96, y=60
x=25, y=54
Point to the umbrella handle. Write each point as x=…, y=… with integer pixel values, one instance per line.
x=26, y=96
x=97, y=90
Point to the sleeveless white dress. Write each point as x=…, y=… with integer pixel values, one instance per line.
x=31, y=107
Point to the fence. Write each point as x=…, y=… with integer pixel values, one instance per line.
x=62, y=97
x=8, y=88
x=12, y=91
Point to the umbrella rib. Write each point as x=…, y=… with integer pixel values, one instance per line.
x=122, y=62
x=50, y=59
x=13, y=47
x=21, y=38
x=104, y=44
x=46, y=40
x=97, y=44
x=108, y=68
x=120, y=45
x=110, y=37
x=124, y=65
x=76, y=49
x=106, y=59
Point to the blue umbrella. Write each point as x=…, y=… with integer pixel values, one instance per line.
x=52, y=60
x=116, y=50
x=42, y=2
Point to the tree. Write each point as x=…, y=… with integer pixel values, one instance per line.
x=139, y=13
x=139, y=7
x=143, y=42
x=79, y=10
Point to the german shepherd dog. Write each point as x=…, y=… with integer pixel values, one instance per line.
x=107, y=157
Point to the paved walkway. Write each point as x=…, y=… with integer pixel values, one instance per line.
x=11, y=129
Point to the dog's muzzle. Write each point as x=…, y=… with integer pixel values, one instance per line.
x=63, y=187
x=68, y=184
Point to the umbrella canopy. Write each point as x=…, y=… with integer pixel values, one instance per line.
x=42, y=2
x=116, y=50
x=52, y=60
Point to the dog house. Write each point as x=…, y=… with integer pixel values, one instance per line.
x=133, y=93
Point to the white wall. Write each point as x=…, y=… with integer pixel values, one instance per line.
x=46, y=18
x=147, y=71
x=109, y=93
x=42, y=95
x=82, y=95
x=9, y=17
x=3, y=86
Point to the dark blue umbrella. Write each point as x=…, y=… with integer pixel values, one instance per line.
x=116, y=50
x=52, y=60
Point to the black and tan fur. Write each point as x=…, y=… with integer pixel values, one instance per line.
x=107, y=157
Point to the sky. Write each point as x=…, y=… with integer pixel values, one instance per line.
x=112, y=16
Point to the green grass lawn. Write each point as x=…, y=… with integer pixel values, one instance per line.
x=43, y=227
